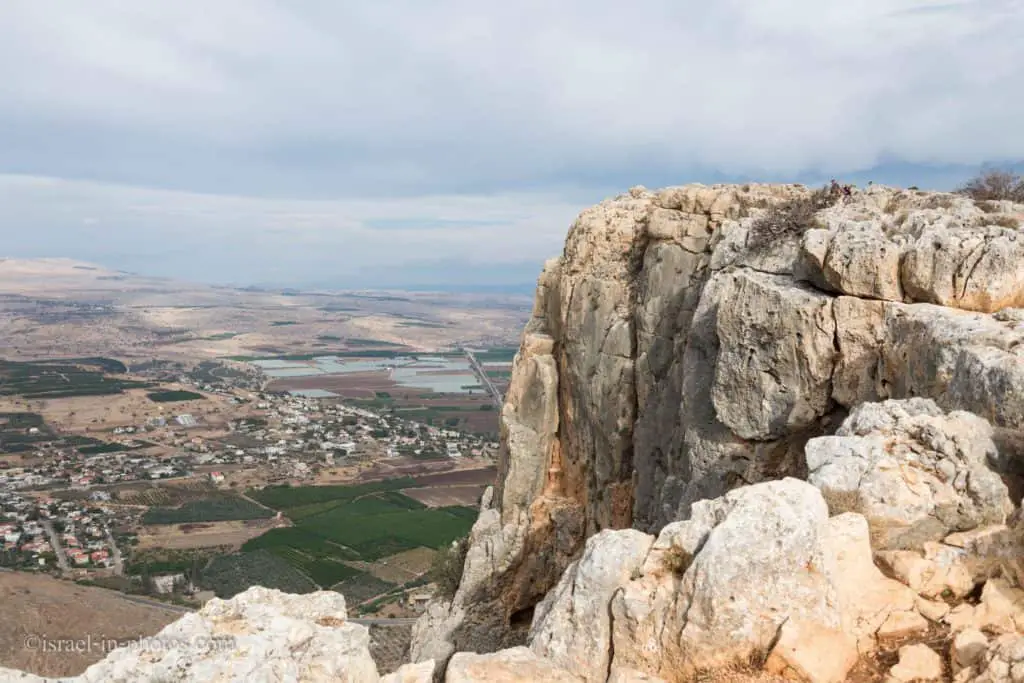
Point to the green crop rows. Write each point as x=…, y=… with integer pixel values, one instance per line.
x=364, y=522
x=61, y=379
x=210, y=510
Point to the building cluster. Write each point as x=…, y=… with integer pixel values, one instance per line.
x=48, y=533
x=282, y=436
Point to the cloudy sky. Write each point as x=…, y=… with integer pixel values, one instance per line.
x=450, y=143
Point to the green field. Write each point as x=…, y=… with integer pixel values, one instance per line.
x=363, y=522
x=361, y=588
x=64, y=378
x=221, y=509
x=229, y=575
x=171, y=396
x=282, y=323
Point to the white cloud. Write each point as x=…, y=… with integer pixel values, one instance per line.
x=402, y=98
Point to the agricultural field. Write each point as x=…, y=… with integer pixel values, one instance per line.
x=229, y=575
x=361, y=588
x=170, y=560
x=40, y=380
x=447, y=496
x=216, y=509
x=23, y=432
x=165, y=494
x=359, y=535
x=231, y=535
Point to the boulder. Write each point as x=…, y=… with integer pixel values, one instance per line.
x=968, y=648
x=515, y=665
x=716, y=589
x=572, y=625
x=915, y=473
x=420, y=672
x=1003, y=662
x=259, y=635
x=976, y=268
x=917, y=663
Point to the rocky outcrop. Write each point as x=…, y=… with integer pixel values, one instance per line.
x=914, y=472
x=675, y=353
x=259, y=635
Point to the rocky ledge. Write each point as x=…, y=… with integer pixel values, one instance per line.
x=738, y=376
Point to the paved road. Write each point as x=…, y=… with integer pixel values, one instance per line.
x=116, y=553
x=484, y=379
x=58, y=549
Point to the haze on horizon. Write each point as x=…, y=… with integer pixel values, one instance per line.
x=407, y=144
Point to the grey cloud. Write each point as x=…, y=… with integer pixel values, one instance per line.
x=328, y=99
x=328, y=140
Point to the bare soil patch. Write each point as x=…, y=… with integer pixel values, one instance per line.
x=444, y=496
x=38, y=606
x=203, y=535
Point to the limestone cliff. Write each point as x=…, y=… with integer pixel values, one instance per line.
x=683, y=346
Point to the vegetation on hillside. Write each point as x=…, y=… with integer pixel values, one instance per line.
x=446, y=570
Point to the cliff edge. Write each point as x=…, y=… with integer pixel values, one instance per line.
x=692, y=341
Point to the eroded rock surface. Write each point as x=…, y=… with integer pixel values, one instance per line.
x=916, y=473
x=674, y=354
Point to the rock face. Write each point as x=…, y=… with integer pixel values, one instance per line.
x=675, y=354
x=261, y=635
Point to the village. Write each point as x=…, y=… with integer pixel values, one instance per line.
x=66, y=508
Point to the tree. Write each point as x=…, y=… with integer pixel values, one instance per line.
x=994, y=184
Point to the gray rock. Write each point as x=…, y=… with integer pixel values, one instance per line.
x=914, y=472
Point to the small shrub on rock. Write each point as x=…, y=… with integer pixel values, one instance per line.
x=677, y=560
x=840, y=502
x=791, y=218
x=446, y=570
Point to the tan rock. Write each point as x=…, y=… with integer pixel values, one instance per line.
x=623, y=675
x=516, y=665
x=933, y=610
x=968, y=648
x=420, y=672
x=1000, y=610
x=917, y=663
x=902, y=624
x=806, y=651
x=915, y=472
x=937, y=571
x=865, y=597
x=1003, y=662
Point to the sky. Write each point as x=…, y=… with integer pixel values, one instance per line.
x=450, y=144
